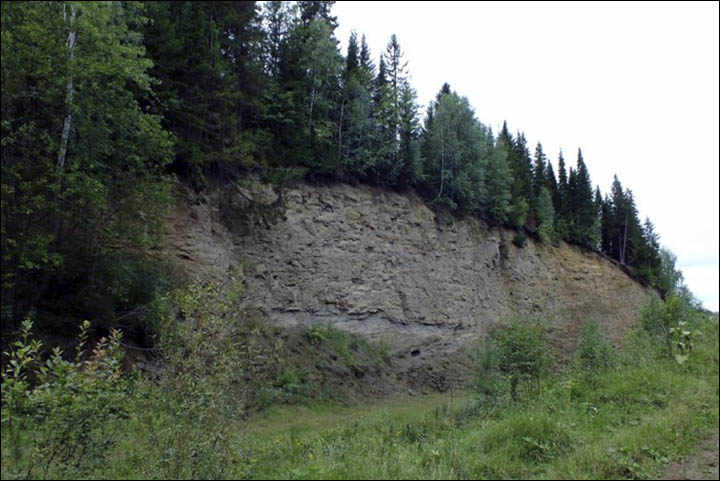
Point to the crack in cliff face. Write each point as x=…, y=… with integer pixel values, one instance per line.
x=380, y=263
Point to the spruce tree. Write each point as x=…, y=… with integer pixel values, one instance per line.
x=539, y=180
x=552, y=183
x=317, y=9
x=208, y=92
x=352, y=62
x=585, y=225
x=278, y=16
x=498, y=183
x=518, y=159
x=409, y=132
x=388, y=111
x=539, y=170
x=607, y=227
x=563, y=208
x=380, y=82
x=365, y=57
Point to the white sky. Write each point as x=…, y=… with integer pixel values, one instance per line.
x=635, y=85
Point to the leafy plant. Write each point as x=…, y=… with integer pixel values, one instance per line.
x=73, y=409
x=673, y=323
x=522, y=353
x=594, y=354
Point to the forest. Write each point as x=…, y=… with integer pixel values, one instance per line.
x=105, y=105
x=113, y=367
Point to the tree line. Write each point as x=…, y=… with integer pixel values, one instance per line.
x=104, y=102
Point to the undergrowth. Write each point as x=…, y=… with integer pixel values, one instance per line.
x=607, y=414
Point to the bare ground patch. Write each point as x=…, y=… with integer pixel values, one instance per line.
x=702, y=464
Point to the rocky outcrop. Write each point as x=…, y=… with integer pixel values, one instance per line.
x=382, y=264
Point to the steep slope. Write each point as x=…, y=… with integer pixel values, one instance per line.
x=383, y=265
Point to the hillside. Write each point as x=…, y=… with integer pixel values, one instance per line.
x=383, y=265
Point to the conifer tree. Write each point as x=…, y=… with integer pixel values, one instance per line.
x=209, y=92
x=317, y=9
x=409, y=132
x=518, y=159
x=380, y=82
x=585, y=225
x=524, y=196
x=545, y=215
x=365, y=57
x=352, y=62
x=607, y=227
x=278, y=16
x=563, y=208
x=357, y=138
x=498, y=183
x=539, y=170
x=539, y=179
x=552, y=183
x=388, y=110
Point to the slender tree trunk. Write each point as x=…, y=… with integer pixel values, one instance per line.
x=623, y=252
x=340, y=126
x=312, y=103
x=442, y=163
x=67, y=124
x=71, y=40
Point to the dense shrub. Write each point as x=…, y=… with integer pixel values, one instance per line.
x=672, y=323
x=516, y=352
x=69, y=411
x=594, y=354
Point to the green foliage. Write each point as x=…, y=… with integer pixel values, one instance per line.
x=489, y=384
x=517, y=350
x=672, y=324
x=498, y=182
x=71, y=412
x=290, y=386
x=628, y=422
x=594, y=353
x=205, y=349
x=455, y=146
x=584, y=227
x=520, y=239
x=207, y=61
x=91, y=125
x=545, y=215
x=82, y=161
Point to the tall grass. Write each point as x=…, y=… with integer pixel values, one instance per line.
x=608, y=414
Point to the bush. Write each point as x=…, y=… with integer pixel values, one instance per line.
x=520, y=239
x=70, y=412
x=206, y=352
x=594, y=354
x=673, y=324
x=489, y=382
x=518, y=352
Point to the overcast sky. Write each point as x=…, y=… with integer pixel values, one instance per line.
x=635, y=85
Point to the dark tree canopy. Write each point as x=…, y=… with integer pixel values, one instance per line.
x=103, y=103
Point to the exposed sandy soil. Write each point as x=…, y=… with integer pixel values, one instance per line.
x=382, y=265
x=702, y=464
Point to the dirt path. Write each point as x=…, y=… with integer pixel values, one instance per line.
x=703, y=464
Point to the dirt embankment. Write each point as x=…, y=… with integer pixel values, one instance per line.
x=383, y=265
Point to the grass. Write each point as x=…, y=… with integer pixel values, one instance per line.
x=621, y=420
x=628, y=423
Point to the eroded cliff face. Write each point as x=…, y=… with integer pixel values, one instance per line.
x=381, y=264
